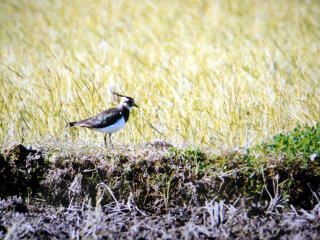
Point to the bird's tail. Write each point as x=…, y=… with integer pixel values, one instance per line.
x=71, y=124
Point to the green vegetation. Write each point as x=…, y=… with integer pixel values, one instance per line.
x=302, y=141
x=205, y=73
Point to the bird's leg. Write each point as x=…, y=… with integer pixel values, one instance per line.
x=105, y=140
x=110, y=140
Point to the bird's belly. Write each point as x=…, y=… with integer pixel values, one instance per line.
x=112, y=128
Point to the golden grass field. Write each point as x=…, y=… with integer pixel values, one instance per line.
x=204, y=73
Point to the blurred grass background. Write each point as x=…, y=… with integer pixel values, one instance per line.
x=204, y=73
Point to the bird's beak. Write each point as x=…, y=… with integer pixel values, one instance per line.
x=135, y=105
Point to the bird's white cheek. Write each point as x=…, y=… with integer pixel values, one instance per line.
x=127, y=106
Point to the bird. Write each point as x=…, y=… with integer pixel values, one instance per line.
x=110, y=120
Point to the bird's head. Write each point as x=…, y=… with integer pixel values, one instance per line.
x=127, y=102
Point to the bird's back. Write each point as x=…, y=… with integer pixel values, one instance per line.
x=103, y=119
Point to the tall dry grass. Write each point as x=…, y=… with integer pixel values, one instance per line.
x=209, y=73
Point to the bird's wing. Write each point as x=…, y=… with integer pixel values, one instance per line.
x=103, y=119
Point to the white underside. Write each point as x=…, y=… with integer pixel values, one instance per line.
x=112, y=128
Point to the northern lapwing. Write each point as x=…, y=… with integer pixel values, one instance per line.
x=110, y=120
